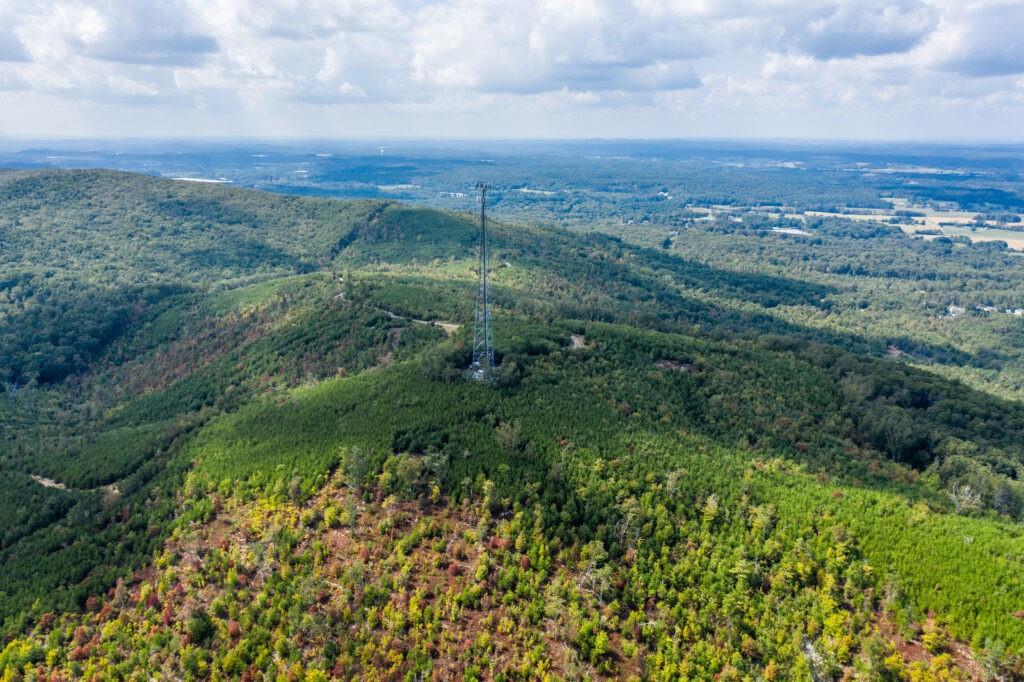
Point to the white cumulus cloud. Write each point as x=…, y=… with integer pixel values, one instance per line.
x=385, y=61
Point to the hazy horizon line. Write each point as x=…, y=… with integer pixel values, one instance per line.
x=20, y=138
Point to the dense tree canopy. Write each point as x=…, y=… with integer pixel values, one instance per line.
x=770, y=455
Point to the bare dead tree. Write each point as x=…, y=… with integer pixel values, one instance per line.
x=964, y=497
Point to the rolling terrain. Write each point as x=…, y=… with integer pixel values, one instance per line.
x=237, y=441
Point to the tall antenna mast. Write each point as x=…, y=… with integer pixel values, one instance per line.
x=483, y=339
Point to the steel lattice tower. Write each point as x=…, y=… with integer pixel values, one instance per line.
x=483, y=339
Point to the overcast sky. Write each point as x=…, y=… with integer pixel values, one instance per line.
x=918, y=69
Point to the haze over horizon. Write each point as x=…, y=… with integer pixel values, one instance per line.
x=909, y=69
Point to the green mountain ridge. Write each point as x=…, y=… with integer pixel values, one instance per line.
x=714, y=452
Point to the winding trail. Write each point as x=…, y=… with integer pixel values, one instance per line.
x=110, y=491
x=48, y=482
x=449, y=328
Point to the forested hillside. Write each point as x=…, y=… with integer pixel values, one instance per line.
x=237, y=440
